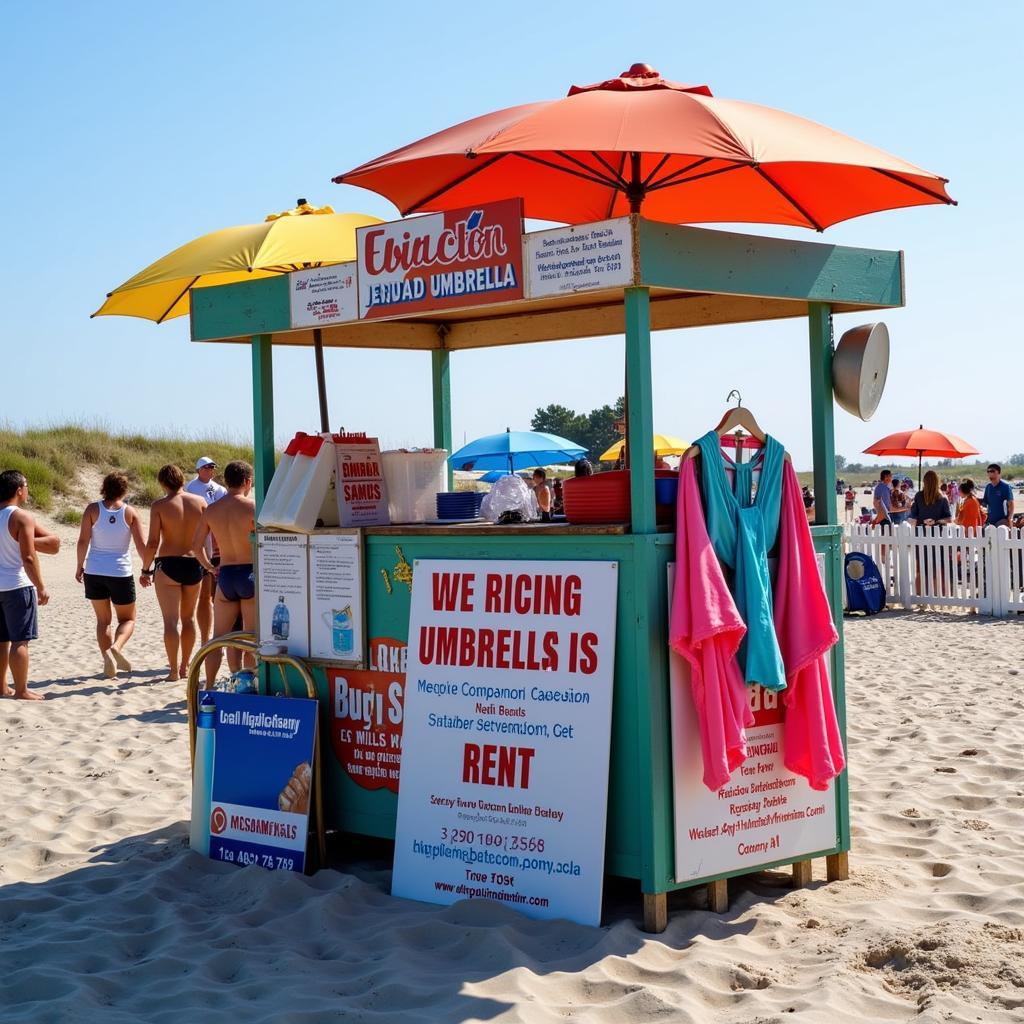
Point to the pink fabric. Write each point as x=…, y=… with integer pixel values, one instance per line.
x=812, y=742
x=706, y=629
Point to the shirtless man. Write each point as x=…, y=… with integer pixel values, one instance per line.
x=230, y=520
x=176, y=572
x=21, y=583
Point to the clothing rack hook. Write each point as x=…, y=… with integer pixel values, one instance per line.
x=739, y=397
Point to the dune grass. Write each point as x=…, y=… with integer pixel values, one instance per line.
x=52, y=459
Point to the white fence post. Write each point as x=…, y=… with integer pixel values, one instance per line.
x=999, y=563
x=904, y=538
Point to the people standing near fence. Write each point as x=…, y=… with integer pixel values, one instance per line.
x=850, y=499
x=900, y=505
x=105, y=567
x=931, y=509
x=882, y=499
x=968, y=513
x=998, y=498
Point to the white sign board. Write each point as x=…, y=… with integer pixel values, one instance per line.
x=764, y=814
x=282, y=576
x=578, y=258
x=507, y=728
x=324, y=295
x=336, y=597
x=361, y=490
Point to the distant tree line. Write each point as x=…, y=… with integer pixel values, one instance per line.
x=594, y=430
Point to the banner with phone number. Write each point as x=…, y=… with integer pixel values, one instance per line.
x=503, y=792
x=262, y=780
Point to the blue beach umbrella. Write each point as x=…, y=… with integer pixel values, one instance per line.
x=493, y=476
x=515, y=449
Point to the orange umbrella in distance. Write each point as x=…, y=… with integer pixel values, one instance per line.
x=641, y=144
x=933, y=443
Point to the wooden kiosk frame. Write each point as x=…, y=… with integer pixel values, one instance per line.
x=681, y=277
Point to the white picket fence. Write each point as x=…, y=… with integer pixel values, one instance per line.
x=946, y=565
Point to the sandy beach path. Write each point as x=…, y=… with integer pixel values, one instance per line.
x=106, y=916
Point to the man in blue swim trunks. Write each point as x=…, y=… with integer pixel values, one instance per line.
x=231, y=521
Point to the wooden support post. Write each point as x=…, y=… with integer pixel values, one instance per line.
x=442, y=389
x=640, y=410
x=819, y=319
x=718, y=896
x=655, y=912
x=262, y=416
x=801, y=874
x=837, y=867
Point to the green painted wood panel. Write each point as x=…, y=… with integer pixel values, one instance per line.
x=696, y=259
x=640, y=409
x=249, y=307
x=440, y=373
x=262, y=415
x=819, y=322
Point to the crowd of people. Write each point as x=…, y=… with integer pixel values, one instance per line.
x=197, y=558
x=939, y=503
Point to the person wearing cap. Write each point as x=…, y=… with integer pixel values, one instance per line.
x=205, y=487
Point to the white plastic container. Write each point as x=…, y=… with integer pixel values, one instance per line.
x=276, y=498
x=413, y=479
x=312, y=471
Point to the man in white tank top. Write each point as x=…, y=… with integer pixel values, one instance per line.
x=21, y=582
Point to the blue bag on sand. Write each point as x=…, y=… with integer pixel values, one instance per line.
x=865, y=591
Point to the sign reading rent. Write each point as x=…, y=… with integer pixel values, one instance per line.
x=764, y=814
x=504, y=783
x=444, y=260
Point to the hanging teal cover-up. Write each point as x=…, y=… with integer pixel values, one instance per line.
x=743, y=529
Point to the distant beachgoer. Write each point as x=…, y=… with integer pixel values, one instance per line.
x=900, y=508
x=230, y=521
x=998, y=498
x=968, y=513
x=22, y=590
x=543, y=494
x=105, y=567
x=583, y=467
x=849, y=500
x=204, y=486
x=930, y=506
x=176, y=573
x=882, y=498
x=557, y=498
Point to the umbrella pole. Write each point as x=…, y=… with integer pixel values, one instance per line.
x=321, y=382
x=920, y=455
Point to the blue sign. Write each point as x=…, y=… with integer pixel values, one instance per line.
x=262, y=779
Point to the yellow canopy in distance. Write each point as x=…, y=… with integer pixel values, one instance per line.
x=664, y=444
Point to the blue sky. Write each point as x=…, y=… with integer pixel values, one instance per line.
x=131, y=128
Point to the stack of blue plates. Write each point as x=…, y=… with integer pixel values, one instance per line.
x=459, y=504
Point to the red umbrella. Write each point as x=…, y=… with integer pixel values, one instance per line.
x=641, y=143
x=921, y=442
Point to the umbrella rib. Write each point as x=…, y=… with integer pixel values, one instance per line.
x=789, y=199
x=657, y=167
x=452, y=184
x=665, y=183
x=591, y=176
x=915, y=185
x=166, y=312
x=615, y=191
x=616, y=174
x=667, y=180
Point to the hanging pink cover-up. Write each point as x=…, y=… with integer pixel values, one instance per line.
x=706, y=629
x=812, y=743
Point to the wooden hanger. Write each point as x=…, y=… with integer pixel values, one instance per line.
x=735, y=420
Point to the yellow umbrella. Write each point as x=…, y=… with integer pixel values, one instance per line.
x=303, y=237
x=664, y=444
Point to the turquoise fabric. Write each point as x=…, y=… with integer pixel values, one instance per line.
x=743, y=529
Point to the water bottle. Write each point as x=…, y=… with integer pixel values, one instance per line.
x=279, y=625
x=243, y=681
x=202, y=776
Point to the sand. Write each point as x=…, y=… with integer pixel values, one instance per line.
x=107, y=916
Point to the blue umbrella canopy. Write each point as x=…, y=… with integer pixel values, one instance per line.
x=493, y=476
x=515, y=449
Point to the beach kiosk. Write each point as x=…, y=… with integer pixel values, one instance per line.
x=652, y=276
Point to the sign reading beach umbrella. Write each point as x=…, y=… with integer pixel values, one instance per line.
x=297, y=239
x=921, y=442
x=516, y=449
x=642, y=144
x=664, y=444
